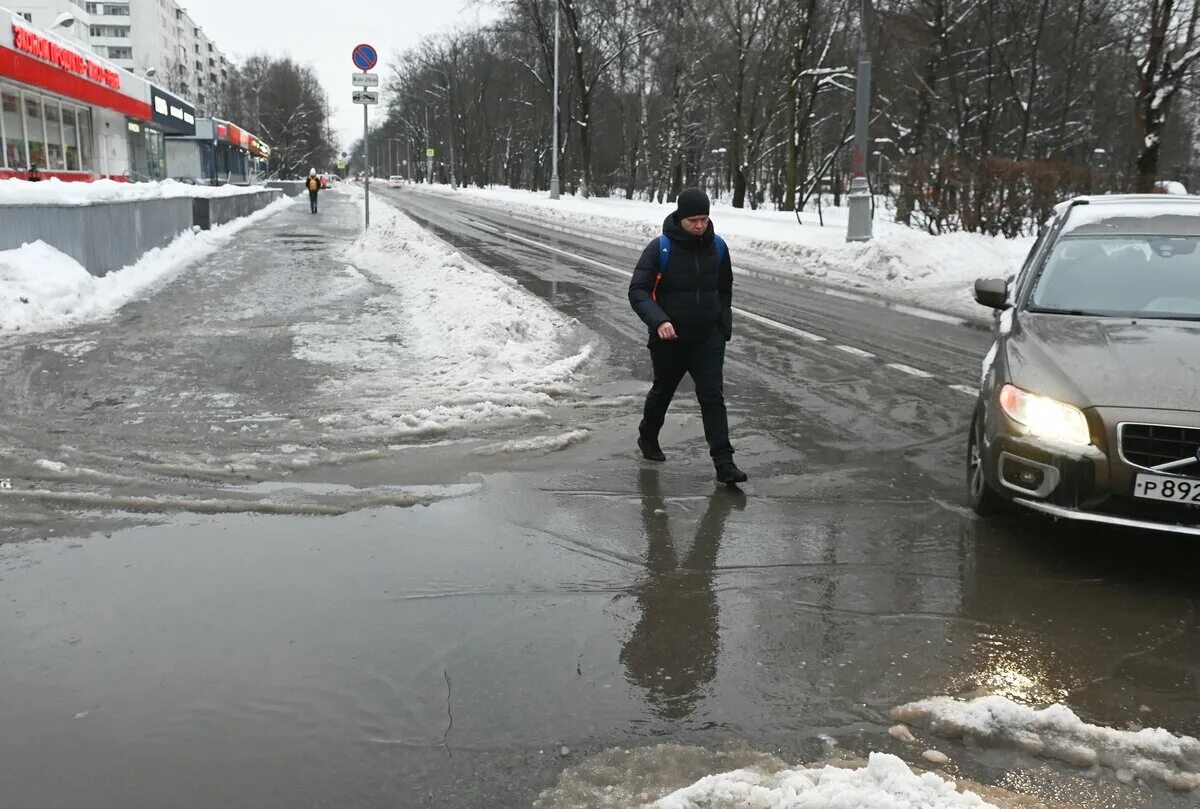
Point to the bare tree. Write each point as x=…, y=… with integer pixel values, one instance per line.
x=1168, y=51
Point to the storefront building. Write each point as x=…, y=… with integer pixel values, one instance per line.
x=77, y=116
x=220, y=152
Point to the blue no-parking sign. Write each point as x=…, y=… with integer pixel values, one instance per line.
x=364, y=57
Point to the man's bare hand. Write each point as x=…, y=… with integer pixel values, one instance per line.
x=667, y=332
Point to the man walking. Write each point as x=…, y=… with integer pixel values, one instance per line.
x=682, y=288
x=313, y=184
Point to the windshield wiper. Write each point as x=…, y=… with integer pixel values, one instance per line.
x=1073, y=312
x=1185, y=318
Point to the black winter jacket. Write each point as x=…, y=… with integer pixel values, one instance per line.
x=695, y=293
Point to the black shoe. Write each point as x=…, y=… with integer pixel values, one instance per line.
x=728, y=473
x=651, y=451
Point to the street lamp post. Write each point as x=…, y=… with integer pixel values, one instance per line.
x=451, y=115
x=395, y=153
x=1098, y=155
x=428, y=156
x=858, y=228
x=554, y=184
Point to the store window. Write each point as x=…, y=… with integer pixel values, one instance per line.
x=70, y=138
x=35, y=130
x=83, y=117
x=55, y=160
x=13, y=129
x=51, y=134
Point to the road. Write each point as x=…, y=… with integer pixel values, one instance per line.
x=193, y=618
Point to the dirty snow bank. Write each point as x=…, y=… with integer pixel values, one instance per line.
x=541, y=443
x=1152, y=754
x=885, y=783
x=671, y=776
x=936, y=272
x=42, y=288
x=55, y=192
x=444, y=345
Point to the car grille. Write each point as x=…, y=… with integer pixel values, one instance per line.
x=1151, y=445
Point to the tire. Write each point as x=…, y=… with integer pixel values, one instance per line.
x=981, y=497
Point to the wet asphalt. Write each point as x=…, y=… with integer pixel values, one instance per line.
x=355, y=651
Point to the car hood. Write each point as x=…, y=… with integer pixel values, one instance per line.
x=1106, y=362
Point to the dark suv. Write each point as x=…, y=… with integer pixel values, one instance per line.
x=1089, y=404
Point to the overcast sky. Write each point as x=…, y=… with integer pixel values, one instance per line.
x=324, y=32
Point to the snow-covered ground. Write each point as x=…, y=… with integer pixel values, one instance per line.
x=449, y=345
x=55, y=192
x=1151, y=754
x=42, y=288
x=935, y=272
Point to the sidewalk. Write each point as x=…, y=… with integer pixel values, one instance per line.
x=296, y=349
x=190, y=385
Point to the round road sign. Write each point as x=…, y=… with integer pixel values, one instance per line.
x=364, y=57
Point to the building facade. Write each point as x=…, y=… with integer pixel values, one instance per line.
x=146, y=37
x=76, y=116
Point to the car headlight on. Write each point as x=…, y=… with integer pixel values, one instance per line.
x=1045, y=417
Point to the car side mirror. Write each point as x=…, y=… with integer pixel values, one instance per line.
x=992, y=293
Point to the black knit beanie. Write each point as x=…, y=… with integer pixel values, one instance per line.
x=692, y=202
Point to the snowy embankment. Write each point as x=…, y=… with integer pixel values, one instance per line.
x=676, y=777
x=446, y=346
x=902, y=263
x=56, y=192
x=885, y=782
x=1151, y=754
x=42, y=288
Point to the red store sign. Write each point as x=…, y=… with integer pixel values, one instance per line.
x=44, y=49
x=43, y=62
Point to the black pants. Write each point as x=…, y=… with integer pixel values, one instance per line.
x=312, y=200
x=706, y=363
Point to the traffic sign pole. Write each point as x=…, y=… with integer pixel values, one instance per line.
x=367, y=173
x=364, y=58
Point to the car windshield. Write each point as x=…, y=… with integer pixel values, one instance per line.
x=1154, y=276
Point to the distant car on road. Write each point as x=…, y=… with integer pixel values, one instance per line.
x=395, y=181
x=1089, y=407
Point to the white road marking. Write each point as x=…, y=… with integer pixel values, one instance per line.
x=775, y=324
x=969, y=391
x=908, y=369
x=766, y=321
x=857, y=352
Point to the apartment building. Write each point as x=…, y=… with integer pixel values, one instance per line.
x=146, y=37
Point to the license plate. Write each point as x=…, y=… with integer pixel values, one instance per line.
x=1171, y=489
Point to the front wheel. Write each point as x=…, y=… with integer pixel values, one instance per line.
x=981, y=497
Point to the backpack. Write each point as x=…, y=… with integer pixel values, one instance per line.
x=664, y=255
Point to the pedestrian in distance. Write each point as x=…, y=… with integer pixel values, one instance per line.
x=682, y=289
x=313, y=184
x=34, y=176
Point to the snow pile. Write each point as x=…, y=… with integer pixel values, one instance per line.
x=541, y=443
x=885, y=783
x=42, y=288
x=56, y=192
x=932, y=271
x=1152, y=754
x=447, y=346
